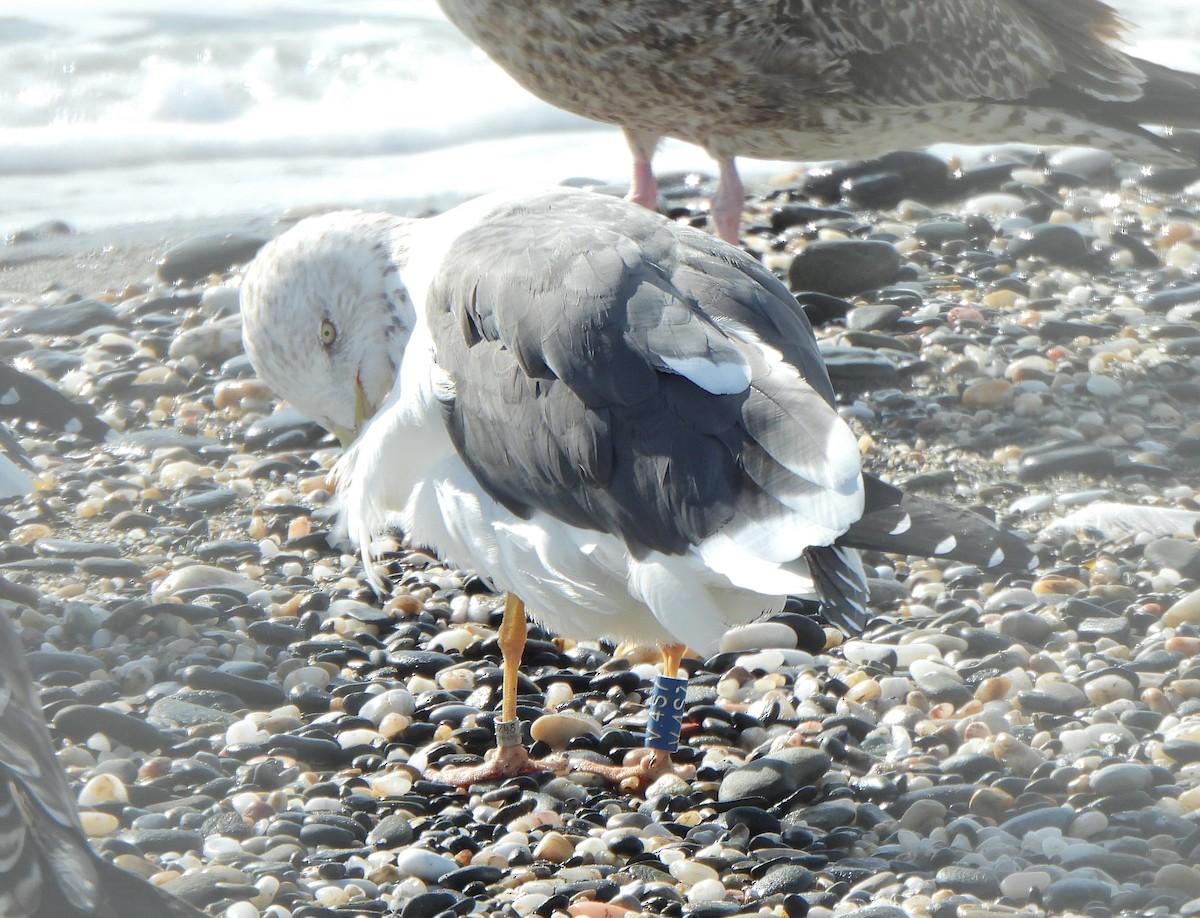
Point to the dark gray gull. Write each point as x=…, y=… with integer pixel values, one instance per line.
x=624, y=422
x=49, y=869
x=830, y=79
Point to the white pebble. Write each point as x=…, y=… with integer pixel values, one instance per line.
x=97, y=824
x=692, y=872
x=706, y=891
x=348, y=739
x=203, y=575
x=1020, y=885
x=393, y=701
x=103, y=789
x=241, y=910
x=245, y=732
x=306, y=675
x=393, y=783
x=1105, y=689
x=1088, y=824
x=424, y=864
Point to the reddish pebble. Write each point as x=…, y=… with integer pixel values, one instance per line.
x=965, y=314
x=589, y=908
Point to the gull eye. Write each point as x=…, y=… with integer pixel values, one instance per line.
x=327, y=334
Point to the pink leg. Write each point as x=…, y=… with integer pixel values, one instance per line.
x=727, y=202
x=644, y=189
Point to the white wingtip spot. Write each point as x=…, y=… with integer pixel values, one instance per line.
x=946, y=545
x=902, y=525
x=11, y=397
x=997, y=558
x=717, y=378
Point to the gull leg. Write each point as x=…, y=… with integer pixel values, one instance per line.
x=728, y=201
x=644, y=766
x=510, y=757
x=643, y=189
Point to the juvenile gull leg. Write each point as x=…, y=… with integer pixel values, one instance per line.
x=728, y=201
x=644, y=766
x=644, y=188
x=510, y=757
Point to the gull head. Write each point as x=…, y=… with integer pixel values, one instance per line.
x=325, y=317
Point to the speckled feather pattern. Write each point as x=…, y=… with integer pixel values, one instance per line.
x=820, y=79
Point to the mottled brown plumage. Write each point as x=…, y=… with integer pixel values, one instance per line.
x=824, y=79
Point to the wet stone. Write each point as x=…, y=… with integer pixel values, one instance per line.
x=1084, y=459
x=774, y=776
x=1114, y=863
x=327, y=836
x=252, y=691
x=934, y=234
x=393, y=831
x=209, y=501
x=971, y=881
x=41, y=662
x=161, y=841
x=61, y=319
x=1182, y=751
x=827, y=816
x=1175, y=554
x=873, y=317
x=64, y=548
x=477, y=873
x=1115, y=629
x=1056, y=243
x=1122, y=778
x=111, y=567
x=844, y=267
x=786, y=878
x=1026, y=626
x=213, y=253
x=1046, y=817
x=205, y=887
x=1164, y=300
x=854, y=369
x=429, y=904
x=81, y=721
x=1075, y=894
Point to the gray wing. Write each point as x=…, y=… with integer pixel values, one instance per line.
x=914, y=52
x=630, y=376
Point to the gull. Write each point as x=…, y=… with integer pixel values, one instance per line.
x=622, y=422
x=49, y=869
x=834, y=79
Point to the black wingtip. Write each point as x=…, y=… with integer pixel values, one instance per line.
x=842, y=584
x=901, y=523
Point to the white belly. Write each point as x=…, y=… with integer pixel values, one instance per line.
x=578, y=583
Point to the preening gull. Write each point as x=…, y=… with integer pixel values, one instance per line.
x=624, y=422
x=826, y=79
x=50, y=870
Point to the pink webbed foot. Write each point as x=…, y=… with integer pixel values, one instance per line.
x=501, y=763
x=641, y=769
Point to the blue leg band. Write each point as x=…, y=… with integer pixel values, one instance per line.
x=665, y=713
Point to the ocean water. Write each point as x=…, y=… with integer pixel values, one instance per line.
x=124, y=111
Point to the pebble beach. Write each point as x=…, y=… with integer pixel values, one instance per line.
x=249, y=726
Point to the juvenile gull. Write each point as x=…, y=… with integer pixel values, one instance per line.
x=49, y=869
x=623, y=422
x=826, y=79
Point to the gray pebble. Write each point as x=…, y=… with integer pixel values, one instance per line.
x=774, y=776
